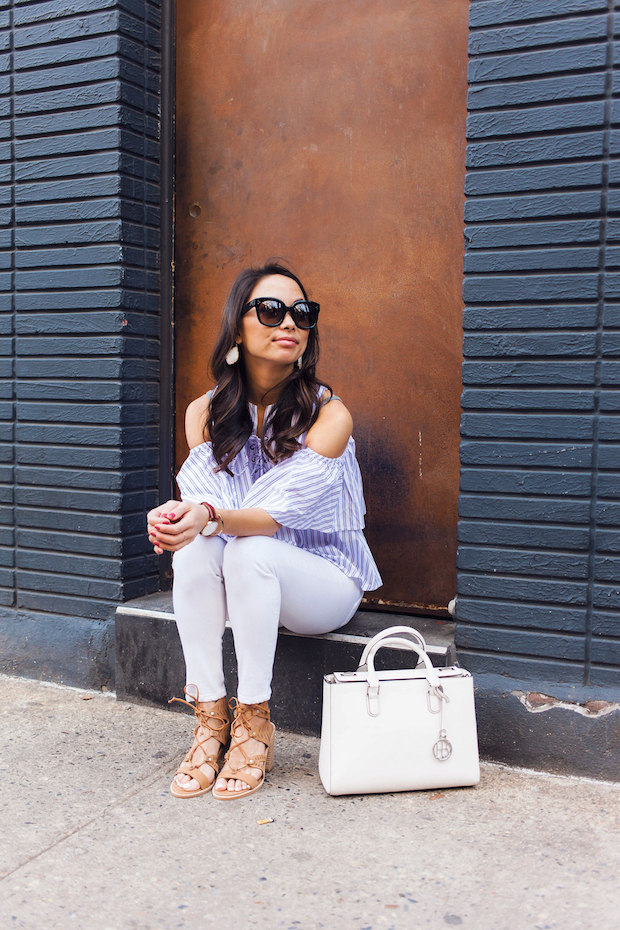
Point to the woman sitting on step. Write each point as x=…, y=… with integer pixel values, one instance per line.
x=269, y=528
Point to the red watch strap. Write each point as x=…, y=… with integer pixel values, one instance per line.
x=210, y=510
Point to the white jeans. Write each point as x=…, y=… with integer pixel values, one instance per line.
x=259, y=583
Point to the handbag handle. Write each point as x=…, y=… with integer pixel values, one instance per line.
x=387, y=638
x=429, y=670
x=435, y=690
x=391, y=631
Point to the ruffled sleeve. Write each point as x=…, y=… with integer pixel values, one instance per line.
x=311, y=492
x=198, y=481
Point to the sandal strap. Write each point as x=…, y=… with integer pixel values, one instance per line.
x=262, y=733
x=243, y=717
x=215, y=724
x=253, y=761
x=216, y=721
x=250, y=780
x=245, y=714
x=196, y=773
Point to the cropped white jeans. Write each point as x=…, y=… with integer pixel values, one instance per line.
x=259, y=583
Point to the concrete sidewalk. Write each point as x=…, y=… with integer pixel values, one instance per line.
x=92, y=839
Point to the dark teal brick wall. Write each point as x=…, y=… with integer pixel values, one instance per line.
x=539, y=532
x=79, y=308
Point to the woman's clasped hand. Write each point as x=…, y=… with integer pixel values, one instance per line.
x=268, y=530
x=175, y=524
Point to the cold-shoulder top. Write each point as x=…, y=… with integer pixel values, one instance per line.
x=317, y=500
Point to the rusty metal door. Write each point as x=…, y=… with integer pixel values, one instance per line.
x=333, y=134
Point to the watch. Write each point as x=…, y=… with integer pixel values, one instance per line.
x=212, y=525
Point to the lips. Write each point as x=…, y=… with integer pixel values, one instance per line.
x=286, y=341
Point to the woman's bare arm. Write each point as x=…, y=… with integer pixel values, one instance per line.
x=177, y=523
x=196, y=421
x=331, y=432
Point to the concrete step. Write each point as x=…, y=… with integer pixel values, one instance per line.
x=150, y=667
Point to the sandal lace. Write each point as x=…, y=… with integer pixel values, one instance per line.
x=243, y=714
x=215, y=723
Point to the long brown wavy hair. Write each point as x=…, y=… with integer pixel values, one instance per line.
x=229, y=424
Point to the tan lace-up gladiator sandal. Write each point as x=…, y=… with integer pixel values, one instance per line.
x=214, y=723
x=263, y=732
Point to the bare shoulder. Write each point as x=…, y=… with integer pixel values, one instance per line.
x=336, y=414
x=196, y=421
x=331, y=432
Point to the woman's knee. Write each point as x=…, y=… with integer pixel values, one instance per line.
x=200, y=558
x=245, y=552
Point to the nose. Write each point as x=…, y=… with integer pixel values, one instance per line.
x=288, y=321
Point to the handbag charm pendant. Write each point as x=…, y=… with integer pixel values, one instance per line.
x=442, y=749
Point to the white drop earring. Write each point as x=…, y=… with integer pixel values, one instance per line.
x=233, y=355
x=299, y=362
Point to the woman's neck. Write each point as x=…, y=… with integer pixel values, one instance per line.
x=265, y=382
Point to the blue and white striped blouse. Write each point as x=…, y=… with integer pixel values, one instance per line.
x=317, y=500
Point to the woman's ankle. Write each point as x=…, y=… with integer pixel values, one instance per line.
x=207, y=705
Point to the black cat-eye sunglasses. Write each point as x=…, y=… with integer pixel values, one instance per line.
x=271, y=311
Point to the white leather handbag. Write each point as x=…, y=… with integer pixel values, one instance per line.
x=401, y=730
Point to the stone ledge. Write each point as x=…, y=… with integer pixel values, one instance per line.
x=537, y=727
x=570, y=732
x=150, y=667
